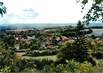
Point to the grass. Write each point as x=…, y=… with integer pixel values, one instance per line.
x=53, y=57
x=99, y=67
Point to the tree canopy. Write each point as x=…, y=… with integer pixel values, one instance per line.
x=95, y=13
x=2, y=8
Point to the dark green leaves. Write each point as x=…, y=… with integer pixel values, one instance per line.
x=98, y=1
x=2, y=9
x=84, y=2
x=95, y=13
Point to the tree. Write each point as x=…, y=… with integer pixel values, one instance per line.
x=2, y=9
x=77, y=32
x=95, y=13
x=78, y=50
x=54, y=41
x=35, y=44
x=6, y=55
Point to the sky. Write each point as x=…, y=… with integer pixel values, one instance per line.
x=42, y=11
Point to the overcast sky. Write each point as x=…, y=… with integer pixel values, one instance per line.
x=42, y=11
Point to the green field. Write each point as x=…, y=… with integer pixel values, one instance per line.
x=53, y=57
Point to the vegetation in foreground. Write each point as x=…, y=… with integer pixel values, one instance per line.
x=82, y=54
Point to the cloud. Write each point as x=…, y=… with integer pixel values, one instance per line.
x=25, y=13
x=23, y=16
x=29, y=13
x=42, y=11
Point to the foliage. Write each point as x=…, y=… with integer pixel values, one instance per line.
x=70, y=53
x=7, y=58
x=77, y=50
x=2, y=9
x=71, y=67
x=93, y=37
x=9, y=40
x=36, y=44
x=99, y=67
x=98, y=55
x=24, y=45
x=73, y=51
x=95, y=13
x=6, y=69
x=85, y=68
x=41, y=52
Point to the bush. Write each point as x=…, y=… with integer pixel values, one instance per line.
x=73, y=51
x=40, y=64
x=85, y=68
x=42, y=52
x=99, y=67
x=6, y=69
x=72, y=66
x=98, y=55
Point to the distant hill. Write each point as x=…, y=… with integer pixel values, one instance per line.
x=42, y=26
x=31, y=26
x=96, y=27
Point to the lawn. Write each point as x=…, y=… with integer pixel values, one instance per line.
x=53, y=57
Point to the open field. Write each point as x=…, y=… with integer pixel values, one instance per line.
x=53, y=57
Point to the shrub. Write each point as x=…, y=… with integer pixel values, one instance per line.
x=40, y=64
x=6, y=69
x=42, y=52
x=73, y=51
x=85, y=68
x=72, y=66
x=98, y=55
x=99, y=67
